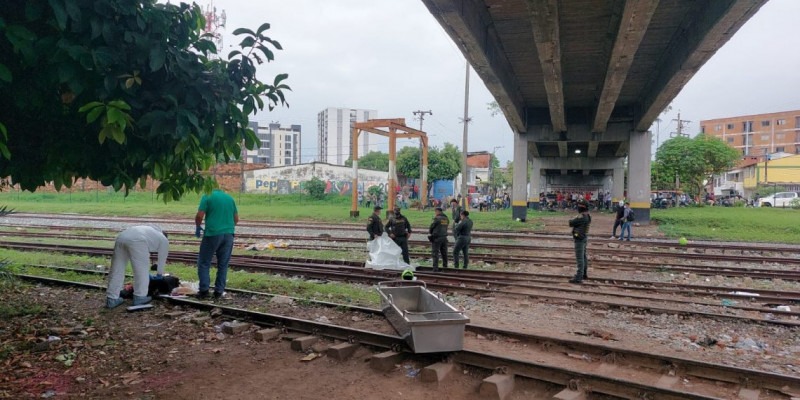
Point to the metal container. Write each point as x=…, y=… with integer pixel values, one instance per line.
x=422, y=318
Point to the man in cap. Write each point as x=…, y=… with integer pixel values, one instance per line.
x=374, y=224
x=618, y=219
x=438, y=237
x=135, y=245
x=580, y=235
x=399, y=230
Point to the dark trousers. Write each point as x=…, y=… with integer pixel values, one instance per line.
x=462, y=246
x=617, y=223
x=581, y=259
x=402, y=241
x=439, y=247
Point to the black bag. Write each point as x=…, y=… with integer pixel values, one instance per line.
x=631, y=216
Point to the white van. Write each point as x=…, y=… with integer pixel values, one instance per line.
x=780, y=199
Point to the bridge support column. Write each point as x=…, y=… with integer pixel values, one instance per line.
x=639, y=175
x=618, y=186
x=536, y=183
x=519, y=188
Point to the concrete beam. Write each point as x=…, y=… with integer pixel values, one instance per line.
x=470, y=26
x=635, y=19
x=622, y=150
x=562, y=148
x=533, y=148
x=545, y=24
x=579, y=163
x=592, y=151
x=614, y=132
x=712, y=24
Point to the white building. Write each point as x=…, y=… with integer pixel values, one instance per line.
x=280, y=146
x=334, y=139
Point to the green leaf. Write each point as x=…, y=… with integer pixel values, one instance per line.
x=115, y=116
x=60, y=11
x=4, y=151
x=157, y=58
x=73, y=10
x=89, y=106
x=4, y=131
x=263, y=27
x=118, y=135
x=247, y=42
x=243, y=31
x=122, y=105
x=5, y=73
x=92, y=115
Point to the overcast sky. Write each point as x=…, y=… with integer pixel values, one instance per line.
x=392, y=56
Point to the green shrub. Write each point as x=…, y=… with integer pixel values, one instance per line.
x=316, y=188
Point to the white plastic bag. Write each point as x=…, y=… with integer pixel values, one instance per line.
x=384, y=253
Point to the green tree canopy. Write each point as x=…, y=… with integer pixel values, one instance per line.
x=374, y=160
x=442, y=164
x=408, y=162
x=118, y=90
x=692, y=161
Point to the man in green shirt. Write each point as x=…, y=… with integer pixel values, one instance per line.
x=463, y=234
x=221, y=215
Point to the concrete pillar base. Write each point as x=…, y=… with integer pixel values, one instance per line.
x=353, y=214
x=533, y=205
x=642, y=215
x=520, y=212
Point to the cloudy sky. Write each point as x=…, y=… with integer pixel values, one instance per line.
x=392, y=56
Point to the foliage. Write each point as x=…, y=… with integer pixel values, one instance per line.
x=795, y=204
x=499, y=179
x=375, y=191
x=494, y=108
x=315, y=188
x=692, y=161
x=444, y=163
x=769, y=190
x=408, y=162
x=117, y=91
x=374, y=160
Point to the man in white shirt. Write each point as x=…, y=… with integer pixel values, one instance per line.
x=135, y=245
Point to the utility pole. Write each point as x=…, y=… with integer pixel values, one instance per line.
x=464, y=202
x=679, y=129
x=421, y=115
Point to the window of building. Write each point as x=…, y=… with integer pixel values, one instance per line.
x=780, y=136
x=288, y=138
x=765, y=137
x=702, y=129
x=717, y=127
x=781, y=122
x=747, y=126
x=764, y=123
x=730, y=140
x=780, y=149
x=730, y=126
x=287, y=153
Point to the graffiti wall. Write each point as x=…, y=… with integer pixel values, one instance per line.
x=292, y=179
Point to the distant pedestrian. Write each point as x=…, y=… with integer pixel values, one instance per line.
x=374, y=224
x=221, y=216
x=437, y=234
x=455, y=211
x=399, y=230
x=627, y=220
x=580, y=235
x=135, y=245
x=463, y=234
x=618, y=218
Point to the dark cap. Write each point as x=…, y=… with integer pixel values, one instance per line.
x=454, y=201
x=438, y=208
x=376, y=208
x=397, y=209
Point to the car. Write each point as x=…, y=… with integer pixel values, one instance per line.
x=780, y=199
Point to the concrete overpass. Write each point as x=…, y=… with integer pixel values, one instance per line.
x=581, y=81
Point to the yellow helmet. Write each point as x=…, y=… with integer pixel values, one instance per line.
x=407, y=275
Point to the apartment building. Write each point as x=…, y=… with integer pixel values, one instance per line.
x=758, y=135
x=280, y=146
x=334, y=139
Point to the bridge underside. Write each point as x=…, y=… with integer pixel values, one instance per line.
x=581, y=81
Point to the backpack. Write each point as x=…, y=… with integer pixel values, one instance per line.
x=631, y=216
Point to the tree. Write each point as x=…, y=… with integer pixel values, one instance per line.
x=408, y=162
x=494, y=108
x=498, y=179
x=374, y=160
x=693, y=161
x=117, y=91
x=444, y=163
x=315, y=188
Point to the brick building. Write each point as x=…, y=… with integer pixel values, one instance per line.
x=758, y=135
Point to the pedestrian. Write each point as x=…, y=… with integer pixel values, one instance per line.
x=580, y=235
x=455, y=211
x=438, y=237
x=135, y=245
x=463, y=234
x=374, y=224
x=618, y=218
x=399, y=230
x=627, y=219
x=221, y=216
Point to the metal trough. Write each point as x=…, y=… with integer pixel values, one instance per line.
x=422, y=318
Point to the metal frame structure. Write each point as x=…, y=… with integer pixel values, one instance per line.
x=396, y=128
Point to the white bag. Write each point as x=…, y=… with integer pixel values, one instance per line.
x=384, y=253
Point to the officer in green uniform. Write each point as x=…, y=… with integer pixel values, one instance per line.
x=463, y=234
x=374, y=224
x=455, y=210
x=438, y=237
x=580, y=233
x=399, y=230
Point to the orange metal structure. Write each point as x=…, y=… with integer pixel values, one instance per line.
x=395, y=128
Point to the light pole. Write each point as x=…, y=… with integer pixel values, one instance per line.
x=491, y=165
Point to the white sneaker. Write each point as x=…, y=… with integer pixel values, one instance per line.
x=613, y=237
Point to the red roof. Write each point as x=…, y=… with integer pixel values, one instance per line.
x=479, y=160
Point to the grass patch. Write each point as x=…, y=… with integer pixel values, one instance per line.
x=730, y=223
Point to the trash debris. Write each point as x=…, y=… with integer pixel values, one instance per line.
x=268, y=245
x=323, y=319
x=411, y=372
x=707, y=342
x=745, y=294
x=218, y=328
x=186, y=289
x=783, y=308
x=48, y=394
x=728, y=303
x=311, y=356
x=53, y=338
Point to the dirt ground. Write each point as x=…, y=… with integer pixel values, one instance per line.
x=602, y=223
x=73, y=348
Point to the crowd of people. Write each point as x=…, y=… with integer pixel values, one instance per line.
x=569, y=200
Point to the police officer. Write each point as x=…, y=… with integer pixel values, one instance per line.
x=374, y=224
x=399, y=230
x=455, y=211
x=438, y=237
x=580, y=233
x=463, y=234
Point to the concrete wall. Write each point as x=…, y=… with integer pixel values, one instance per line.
x=292, y=179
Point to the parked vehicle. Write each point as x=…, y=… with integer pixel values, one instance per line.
x=780, y=199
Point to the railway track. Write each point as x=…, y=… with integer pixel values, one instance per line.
x=610, y=370
x=456, y=283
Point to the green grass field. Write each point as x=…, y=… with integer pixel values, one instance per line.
x=730, y=223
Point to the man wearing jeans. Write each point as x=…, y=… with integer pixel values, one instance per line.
x=219, y=211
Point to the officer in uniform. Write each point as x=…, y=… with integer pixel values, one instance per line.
x=438, y=237
x=399, y=230
x=374, y=224
x=463, y=234
x=455, y=211
x=580, y=233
